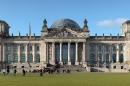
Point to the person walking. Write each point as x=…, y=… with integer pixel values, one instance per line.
x=8, y=71
x=15, y=71
x=24, y=72
x=41, y=72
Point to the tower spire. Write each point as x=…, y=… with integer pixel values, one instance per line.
x=44, y=27
x=85, y=23
x=85, y=27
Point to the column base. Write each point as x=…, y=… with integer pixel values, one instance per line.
x=53, y=63
x=69, y=63
x=76, y=63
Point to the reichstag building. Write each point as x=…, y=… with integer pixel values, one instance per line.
x=65, y=43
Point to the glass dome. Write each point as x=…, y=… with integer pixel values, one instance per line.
x=65, y=23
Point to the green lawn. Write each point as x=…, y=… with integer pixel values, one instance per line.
x=73, y=79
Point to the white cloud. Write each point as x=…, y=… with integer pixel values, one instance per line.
x=111, y=23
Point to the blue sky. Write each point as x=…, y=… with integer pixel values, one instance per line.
x=104, y=16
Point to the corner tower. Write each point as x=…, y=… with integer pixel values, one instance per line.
x=4, y=29
x=126, y=29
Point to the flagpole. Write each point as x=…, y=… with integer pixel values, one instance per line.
x=28, y=54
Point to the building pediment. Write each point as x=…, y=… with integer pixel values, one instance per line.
x=66, y=33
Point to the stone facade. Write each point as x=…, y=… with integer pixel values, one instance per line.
x=65, y=43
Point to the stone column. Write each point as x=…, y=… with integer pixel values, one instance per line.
x=26, y=52
x=102, y=52
x=3, y=53
x=12, y=53
x=53, y=53
x=33, y=52
x=47, y=60
x=18, y=53
x=76, y=54
x=110, y=56
x=124, y=47
x=61, y=54
x=110, y=59
x=0, y=52
x=97, y=58
x=104, y=56
x=83, y=56
x=117, y=53
x=69, y=60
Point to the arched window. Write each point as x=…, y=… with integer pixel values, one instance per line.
x=92, y=60
x=114, y=58
x=23, y=58
x=37, y=58
x=107, y=58
x=30, y=58
x=121, y=58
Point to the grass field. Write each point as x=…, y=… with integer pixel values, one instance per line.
x=73, y=79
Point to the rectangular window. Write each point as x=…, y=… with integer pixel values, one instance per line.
x=114, y=48
x=121, y=48
x=30, y=48
x=15, y=48
x=37, y=48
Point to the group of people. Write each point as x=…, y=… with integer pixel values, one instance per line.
x=41, y=71
x=7, y=71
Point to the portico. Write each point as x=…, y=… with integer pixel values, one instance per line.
x=66, y=51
